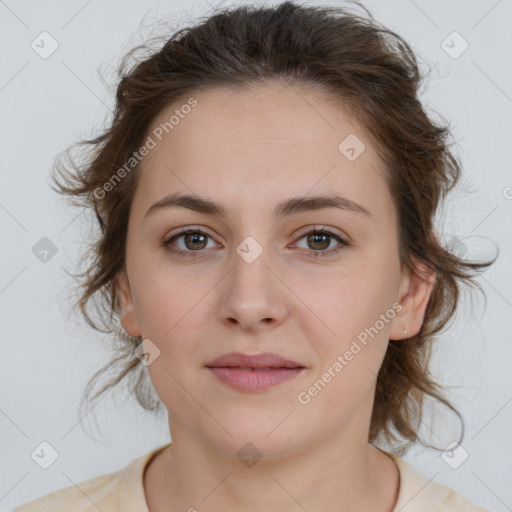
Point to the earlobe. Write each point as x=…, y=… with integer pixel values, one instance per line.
x=127, y=310
x=415, y=292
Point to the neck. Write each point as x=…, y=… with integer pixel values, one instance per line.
x=191, y=475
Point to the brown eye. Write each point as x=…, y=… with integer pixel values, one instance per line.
x=189, y=241
x=186, y=242
x=194, y=241
x=318, y=240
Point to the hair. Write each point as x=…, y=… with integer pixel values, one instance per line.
x=366, y=69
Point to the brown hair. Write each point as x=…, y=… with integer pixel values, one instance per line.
x=372, y=73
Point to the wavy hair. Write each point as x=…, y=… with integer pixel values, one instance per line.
x=366, y=69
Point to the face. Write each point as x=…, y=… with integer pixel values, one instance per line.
x=252, y=277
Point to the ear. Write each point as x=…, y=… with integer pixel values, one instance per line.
x=414, y=294
x=128, y=313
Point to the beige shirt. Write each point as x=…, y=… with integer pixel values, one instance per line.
x=123, y=491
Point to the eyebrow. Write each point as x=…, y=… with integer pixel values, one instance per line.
x=289, y=207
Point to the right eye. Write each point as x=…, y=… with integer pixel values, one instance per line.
x=193, y=240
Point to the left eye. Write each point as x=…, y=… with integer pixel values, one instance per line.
x=321, y=238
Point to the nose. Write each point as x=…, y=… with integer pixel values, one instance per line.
x=253, y=295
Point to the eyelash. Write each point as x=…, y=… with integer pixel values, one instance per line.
x=312, y=254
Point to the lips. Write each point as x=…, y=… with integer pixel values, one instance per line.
x=253, y=372
x=258, y=361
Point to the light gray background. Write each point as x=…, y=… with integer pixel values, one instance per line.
x=48, y=354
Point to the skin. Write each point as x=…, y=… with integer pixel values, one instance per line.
x=250, y=150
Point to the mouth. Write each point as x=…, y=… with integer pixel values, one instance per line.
x=253, y=373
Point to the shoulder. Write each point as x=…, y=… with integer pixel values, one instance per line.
x=82, y=497
x=122, y=490
x=420, y=494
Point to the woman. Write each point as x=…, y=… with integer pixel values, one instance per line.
x=266, y=194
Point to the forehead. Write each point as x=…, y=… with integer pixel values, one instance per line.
x=275, y=140
x=278, y=115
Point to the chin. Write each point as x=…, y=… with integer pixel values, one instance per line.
x=257, y=433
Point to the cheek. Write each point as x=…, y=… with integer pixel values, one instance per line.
x=358, y=310
x=166, y=300
x=349, y=359
x=352, y=305
x=170, y=312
